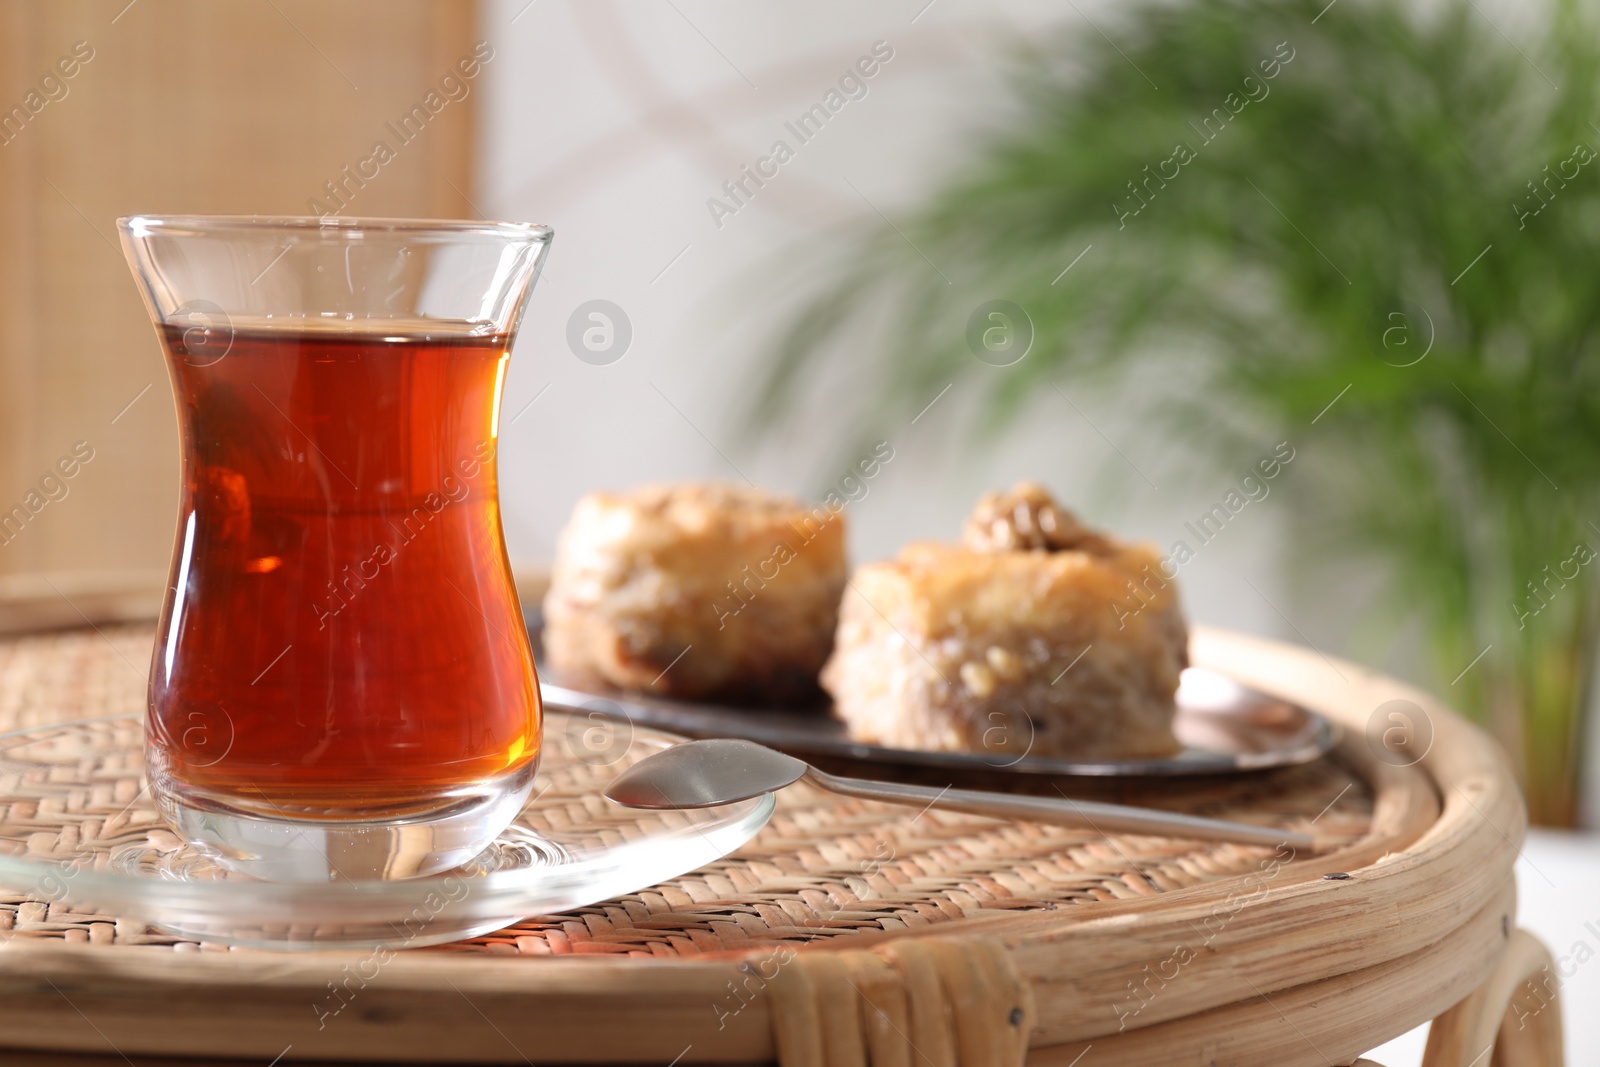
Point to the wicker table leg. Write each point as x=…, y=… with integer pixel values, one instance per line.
x=1515, y=1011
x=935, y=1004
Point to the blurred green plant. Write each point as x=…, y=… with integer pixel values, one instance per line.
x=1373, y=230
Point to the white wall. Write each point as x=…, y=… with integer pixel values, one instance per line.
x=615, y=123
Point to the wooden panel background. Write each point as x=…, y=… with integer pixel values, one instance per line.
x=244, y=106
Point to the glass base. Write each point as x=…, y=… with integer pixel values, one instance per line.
x=77, y=826
x=286, y=849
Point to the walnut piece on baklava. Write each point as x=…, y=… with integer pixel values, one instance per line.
x=696, y=591
x=1035, y=635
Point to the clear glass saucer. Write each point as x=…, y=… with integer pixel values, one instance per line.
x=77, y=825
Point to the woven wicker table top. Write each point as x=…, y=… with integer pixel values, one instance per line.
x=825, y=868
x=861, y=934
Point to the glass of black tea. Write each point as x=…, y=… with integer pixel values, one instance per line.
x=342, y=686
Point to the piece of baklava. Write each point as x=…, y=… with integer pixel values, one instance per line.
x=1034, y=636
x=696, y=591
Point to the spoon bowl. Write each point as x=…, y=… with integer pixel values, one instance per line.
x=705, y=774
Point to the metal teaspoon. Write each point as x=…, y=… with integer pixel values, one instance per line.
x=704, y=774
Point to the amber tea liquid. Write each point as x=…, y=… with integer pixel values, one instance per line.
x=360, y=648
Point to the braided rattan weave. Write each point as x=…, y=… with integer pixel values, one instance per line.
x=849, y=932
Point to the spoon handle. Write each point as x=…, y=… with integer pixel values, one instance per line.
x=1103, y=818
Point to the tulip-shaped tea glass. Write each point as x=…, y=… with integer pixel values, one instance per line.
x=342, y=685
